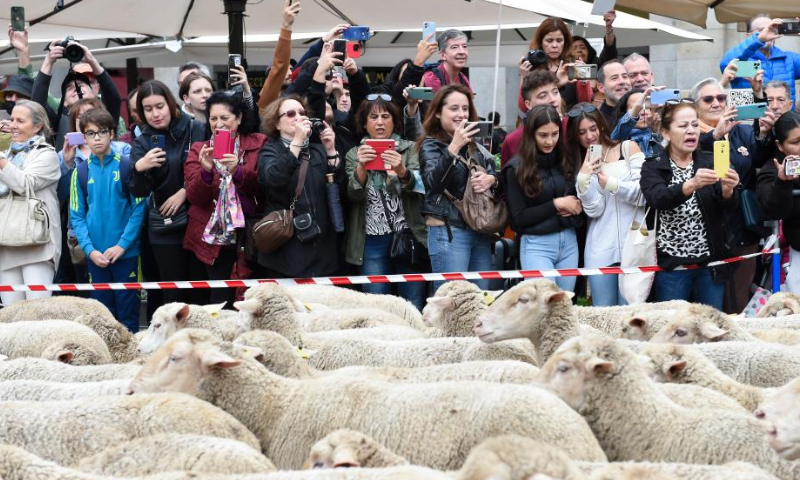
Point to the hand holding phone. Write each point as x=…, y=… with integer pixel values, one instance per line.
x=420, y=93
x=751, y=112
x=18, y=19
x=428, y=29
x=660, y=97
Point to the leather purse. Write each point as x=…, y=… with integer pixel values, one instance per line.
x=274, y=230
x=405, y=249
x=24, y=220
x=159, y=224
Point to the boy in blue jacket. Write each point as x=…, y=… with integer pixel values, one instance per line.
x=107, y=220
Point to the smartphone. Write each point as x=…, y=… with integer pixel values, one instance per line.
x=234, y=60
x=223, y=143
x=595, y=152
x=747, y=68
x=429, y=28
x=751, y=112
x=158, y=141
x=582, y=72
x=722, y=158
x=356, y=33
x=660, y=97
x=379, y=146
x=340, y=45
x=18, y=19
x=791, y=165
x=75, y=138
x=788, y=27
x=484, y=128
x=420, y=93
x=353, y=50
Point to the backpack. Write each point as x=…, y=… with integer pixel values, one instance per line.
x=437, y=72
x=124, y=174
x=482, y=212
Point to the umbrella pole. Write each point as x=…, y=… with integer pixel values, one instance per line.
x=234, y=9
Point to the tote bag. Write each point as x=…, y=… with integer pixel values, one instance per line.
x=639, y=250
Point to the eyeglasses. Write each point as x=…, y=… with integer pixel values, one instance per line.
x=374, y=96
x=721, y=98
x=578, y=110
x=98, y=134
x=674, y=102
x=292, y=113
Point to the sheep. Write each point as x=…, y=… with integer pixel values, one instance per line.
x=698, y=323
x=32, y=339
x=171, y=317
x=280, y=357
x=606, y=383
x=605, y=319
x=780, y=304
x=41, y=369
x=642, y=325
x=63, y=431
x=760, y=364
x=780, y=409
x=790, y=321
x=315, y=340
x=784, y=336
x=452, y=310
x=321, y=318
x=43, y=391
x=405, y=418
x=349, y=448
x=168, y=452
x=343, y=298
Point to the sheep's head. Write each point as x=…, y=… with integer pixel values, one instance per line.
x=668, y=362
x=782, y=410
x=277, y=353
x=780, y=305
x=76, y=353
x=695, y=324
x=642, y=325
x=262, y=301
x=167, y=319
x=511, y=457
x=343, y=449
x=520, y=311
x=180, y=364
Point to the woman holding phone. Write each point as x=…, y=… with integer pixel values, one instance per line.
x=452, y=245
x=158, y=156
x=222, y=188
x=383, y=202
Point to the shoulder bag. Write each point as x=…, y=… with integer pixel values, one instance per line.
x=24, y=220
x=273, y=231
x=639, y=250
x=482, y=212
x=405, y=249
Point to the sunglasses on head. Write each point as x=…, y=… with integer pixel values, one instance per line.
x=292, y=113
x=374, y=96
x=581, y=109
x=710, y=98
x=674, y=101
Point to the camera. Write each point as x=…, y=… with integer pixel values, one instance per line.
x=537, y=58
x=73, y=53
x=317, y=126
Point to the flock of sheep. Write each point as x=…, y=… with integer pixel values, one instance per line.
x=304, y=381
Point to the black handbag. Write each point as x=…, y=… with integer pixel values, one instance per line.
x=752, y=215
x=159, y=224
x=405, y=249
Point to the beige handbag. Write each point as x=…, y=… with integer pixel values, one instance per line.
x=24, y=220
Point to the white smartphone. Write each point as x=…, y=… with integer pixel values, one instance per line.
x=595, y=152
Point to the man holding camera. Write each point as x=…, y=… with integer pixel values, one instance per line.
x=77, y=84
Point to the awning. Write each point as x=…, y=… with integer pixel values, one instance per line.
x=726, y=11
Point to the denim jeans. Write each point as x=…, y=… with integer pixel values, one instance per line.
x=605, y=291
x=377, y=262
x=695, y=285
x=469, y=251
x=551, y=251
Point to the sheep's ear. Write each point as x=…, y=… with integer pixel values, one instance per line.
x=711, y=332
x=598, y=366
x=248, y=306
x=249, y=351
x=182, y=315
x=299, y=306
x=551, y=298
x=65, y=356
x=638, y=322
x=444, y=303
x=214, y=358
x=673, y=369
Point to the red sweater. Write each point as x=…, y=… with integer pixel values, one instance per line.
x=202, y=190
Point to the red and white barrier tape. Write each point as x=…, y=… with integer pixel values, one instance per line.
x=357, y=280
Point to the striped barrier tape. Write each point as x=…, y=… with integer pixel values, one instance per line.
x=358, y=280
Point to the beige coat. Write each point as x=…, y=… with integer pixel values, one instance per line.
x=42, y=172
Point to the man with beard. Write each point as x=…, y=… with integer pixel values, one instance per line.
x=454, y=54
x=640, y=74
x=613, y=82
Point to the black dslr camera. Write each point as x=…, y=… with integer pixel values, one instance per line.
x=73, y=53
x=537, y=59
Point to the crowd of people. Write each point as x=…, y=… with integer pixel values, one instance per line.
x=588, y=159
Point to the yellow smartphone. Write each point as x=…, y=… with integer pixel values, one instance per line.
x=722, y=158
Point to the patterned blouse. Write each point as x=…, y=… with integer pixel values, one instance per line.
x=384, y=209
x=682, y=231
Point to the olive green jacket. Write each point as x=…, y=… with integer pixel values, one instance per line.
x=357, y=194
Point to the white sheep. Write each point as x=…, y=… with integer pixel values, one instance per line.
x=171, y=317
x=607, y=319
x=63, y=431
x=784, y=336
x=44, y=391
x=176, y=452
x=780, y=304
x=41, y=369
x=70, y=342
x=315, y=340
x=431, y=424
x=642, y=325
x=634, y=421
x=781, y=409
x=790, y=321
x=699, y=323
x=760, y=364
x=349, y=448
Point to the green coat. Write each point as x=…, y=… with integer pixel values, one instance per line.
x=356, y=235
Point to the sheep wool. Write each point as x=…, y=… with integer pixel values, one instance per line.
x=606, y=319
x=430, y=424
x=791, y=322
x=45, y=391
x=171, y=317
x=760, y=364
x=41, y=369
x=607, y=383
x=780, y=304
x=349, y=448
x=654, y=471
x=173, y=452
x=32, y=339
x=780, y=409
x=784, y=336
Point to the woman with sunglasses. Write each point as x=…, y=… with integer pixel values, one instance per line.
x=452, y=245
x=311, y=252
x=541, y=197
x=690, y=205
x=608, y=188
x=383, y=201
x=717, y=122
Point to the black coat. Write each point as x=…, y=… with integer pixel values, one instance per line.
x=660, y=195
x=778, y=203
x=278, y=174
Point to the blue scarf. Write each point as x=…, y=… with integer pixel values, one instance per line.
x=17, y=153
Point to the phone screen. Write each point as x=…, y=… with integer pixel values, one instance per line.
x=18, y=19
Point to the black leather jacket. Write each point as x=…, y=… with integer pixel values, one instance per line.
x=442, y=171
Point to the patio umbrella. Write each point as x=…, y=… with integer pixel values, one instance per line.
x=726, y=11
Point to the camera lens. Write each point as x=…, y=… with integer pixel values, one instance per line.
x=73, y=53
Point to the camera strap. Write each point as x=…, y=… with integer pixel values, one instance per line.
x=301, y=179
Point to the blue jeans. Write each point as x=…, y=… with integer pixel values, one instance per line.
x=377, y=262
x=123, y=304
x=469, y=251
x=605, y=291
x=695, y=285
x=551, y=251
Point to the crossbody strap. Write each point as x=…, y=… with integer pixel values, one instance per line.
x=301, y=179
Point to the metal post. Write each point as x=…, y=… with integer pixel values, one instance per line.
x=234, y=9
x=776, y=261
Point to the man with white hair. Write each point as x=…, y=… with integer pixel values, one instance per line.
x=454, y=54
x=639, y=72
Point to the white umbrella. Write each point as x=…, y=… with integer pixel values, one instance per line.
x=726, y=11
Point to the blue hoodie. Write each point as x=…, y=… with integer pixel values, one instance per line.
x=103, y=217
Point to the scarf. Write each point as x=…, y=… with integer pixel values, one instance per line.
x=227, y=215
x=17, y=153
